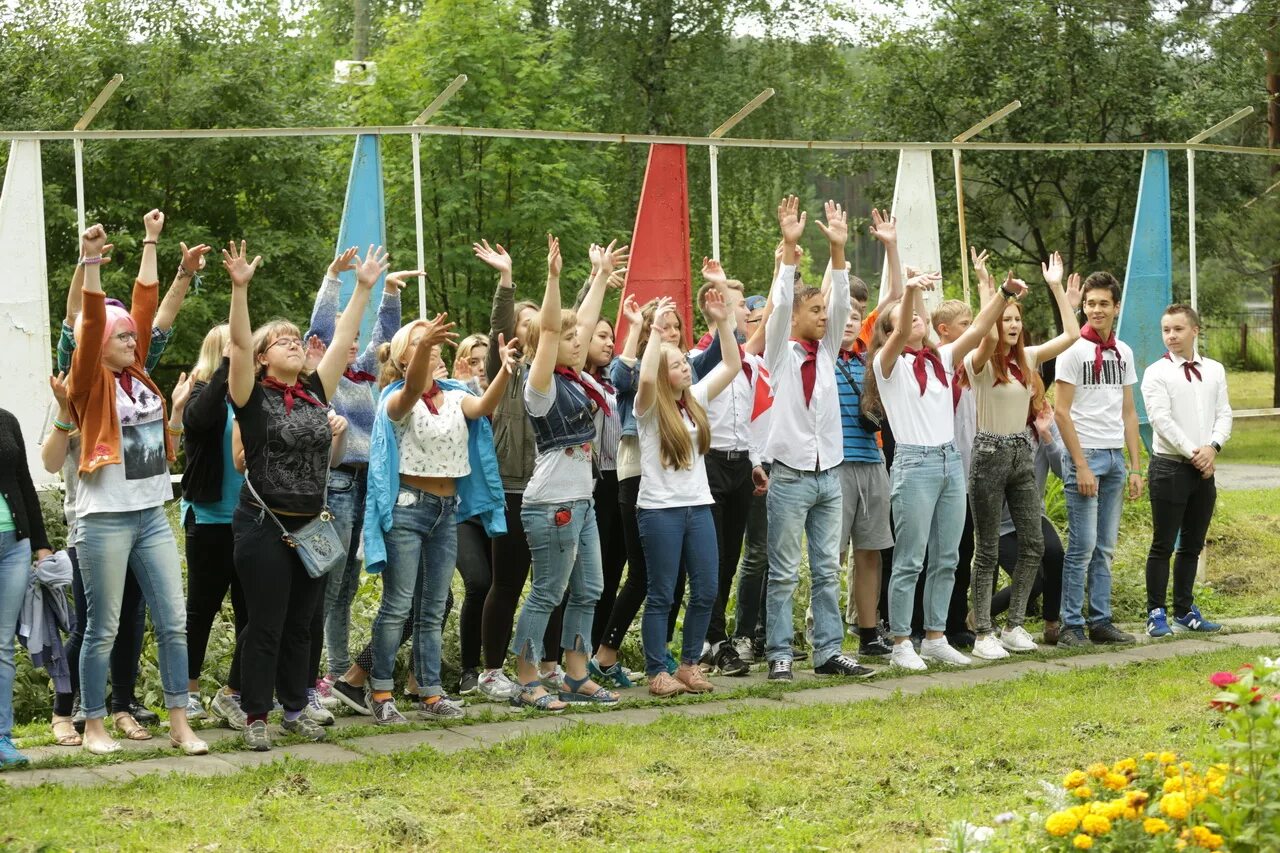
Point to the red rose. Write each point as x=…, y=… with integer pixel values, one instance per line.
x=1222, y=679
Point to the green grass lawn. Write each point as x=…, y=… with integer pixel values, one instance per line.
x=1254, y=441
x=877, y=776
x=1250, y=389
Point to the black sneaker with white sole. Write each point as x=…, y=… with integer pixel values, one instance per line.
x=355, y=698
x=728, y=662
x=843, y=665
x=780, y=670
x=877, y=648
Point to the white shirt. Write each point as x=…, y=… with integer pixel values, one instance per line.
x=928, y=419
x=434, y=445
x=662, y=487
x=729, y=414
x=1097, y=410
x=141, y=480
x=807, y=437
x=562, y=474
x=1186, y=415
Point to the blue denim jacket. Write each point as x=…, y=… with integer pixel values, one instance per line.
x=627, y=379
x=568, y=423
x=479, y=493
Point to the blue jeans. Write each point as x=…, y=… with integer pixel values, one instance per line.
x=928, y=500
x=565, y=548
x=804, y=503
x=15, y=567
x=109, y=544
x=422, y=547
x=1093, y=525
x=667, y=536
x=346, y=502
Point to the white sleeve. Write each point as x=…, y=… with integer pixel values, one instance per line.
x=1223, y=418
x=1068, y=366
x=838, y=304
x=778, y=329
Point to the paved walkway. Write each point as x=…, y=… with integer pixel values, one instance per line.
x=491, y=724
x=1236, y=476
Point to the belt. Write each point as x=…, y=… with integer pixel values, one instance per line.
x=729, y=455
x=354, y=470
x=1173, y=457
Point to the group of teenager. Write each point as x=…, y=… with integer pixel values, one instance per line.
x=911, y=445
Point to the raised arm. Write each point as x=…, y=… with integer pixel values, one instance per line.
x=544, y=361
x=652, y=358
x=912, y=303
x=87, y=358
x=324, y=313
x=730, y=360
x=791, y=221
x=206, y=409
x=603, y=262
x=417, y=374
x=885, y=229
x=836, y=230
x=502, y=315
x=484, y=406
x=335, y=358
x=986, y=292
x=189, y=266
x=1070, y=324
x=390, y=313
x=53, y=450
x=982, y=324
x=241, y=369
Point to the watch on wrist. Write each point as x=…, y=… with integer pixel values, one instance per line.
x=1217, y=448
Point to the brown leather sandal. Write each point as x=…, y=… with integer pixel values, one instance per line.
x=129, y=727
x=64, y=732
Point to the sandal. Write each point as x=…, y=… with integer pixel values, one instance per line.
x=601, y=696
x=546, y=702
x=129, y=727
x=64, y=732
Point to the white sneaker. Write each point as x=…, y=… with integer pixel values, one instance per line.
x=743, y=647
x=941, y=651
x=988, y=647
x=497, y=687
x=1017, y=640
x=315, y=712
x=195, y=707
x=904, y=656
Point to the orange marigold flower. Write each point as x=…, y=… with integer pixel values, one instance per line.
x=1083, y=792
x=1116, y=781
x=1097, y=770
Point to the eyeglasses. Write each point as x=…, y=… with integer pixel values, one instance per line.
x=125, y=337
x=290, y=343
x=753, y=320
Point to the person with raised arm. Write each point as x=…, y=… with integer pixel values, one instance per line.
x=1097, y=418
x=124, y=485
x=1186, y=397
x=802, y=342
x=1003, y=466
x=287, y=440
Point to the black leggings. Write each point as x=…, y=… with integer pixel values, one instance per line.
x=211, y=571
x=124, y=654
x=613, y=550
x=1048, y=579
x=474, y=555
x=510, y=571
x=636, y=588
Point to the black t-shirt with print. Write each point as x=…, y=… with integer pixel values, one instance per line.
x=287, y=455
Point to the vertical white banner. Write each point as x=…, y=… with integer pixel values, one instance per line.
x=915, y=203
x=24, y=301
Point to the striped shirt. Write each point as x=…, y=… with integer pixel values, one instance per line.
x=859, y=445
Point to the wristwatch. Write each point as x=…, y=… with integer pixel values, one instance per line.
x=1217, y=448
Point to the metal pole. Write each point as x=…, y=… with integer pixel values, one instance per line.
x=959, y=174
x=94, y=108
x=1191, y=226
x=78, y=146
x=417, y=221
x=715, y=201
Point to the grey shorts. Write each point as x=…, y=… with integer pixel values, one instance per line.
x=865, y=519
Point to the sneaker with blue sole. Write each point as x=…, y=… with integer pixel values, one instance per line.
x=1193, y=621
x=9, y=755
x=671, y=663
x=1158, y=623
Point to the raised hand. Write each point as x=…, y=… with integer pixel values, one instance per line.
x=791, y=219
x=554, y=263
x=617, y=279
x=337, y=423
x=631, y=310
x=58, y=385
x=714, y=308
x=836, y=228
x=1053, y=271
x=397, y=279
x=661, y=308
x=438, y=330
x=373, y=266
x=613, y=256
x=1074, y=293
x=193, y=259
x=342, y=263
x=495, y=257
x=985, y=278
x=924, y=281
x=713, y=272
x=315, y=351
x=182, y=391
x=1016, y=286
x=237, y=264
x=93, y=242
x=595, y=253
x=883, y=226
x=154, y=223
x=509, y=354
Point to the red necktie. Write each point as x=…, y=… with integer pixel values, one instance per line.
x=1015, y=369
x=296, y=390
x=808, y=368
x=924, y=357
x=746, y=367
x=126, y=382
x=593, y=393
x=358, y=375
x=426, y=398
x=1188, y=368
x=1090, y=335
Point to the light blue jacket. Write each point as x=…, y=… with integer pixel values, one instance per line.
x=479, y=493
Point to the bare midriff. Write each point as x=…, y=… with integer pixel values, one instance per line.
x=443, y=486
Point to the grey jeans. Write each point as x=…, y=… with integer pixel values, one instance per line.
x=1003, y=470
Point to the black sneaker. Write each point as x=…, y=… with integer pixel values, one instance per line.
x=469, y=682
x=780, y=670
x=843, y=665
x=355, y=698
x=962, y=639
x=77, y=717
x=728, y=662
x=877, y=648
x=1073, y=637
x=799, y=653
x=1108, y=634
x=148, y=717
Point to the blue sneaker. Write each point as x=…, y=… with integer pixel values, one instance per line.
x=1158, y=623
x=9, y=755
x=1193, y=621
x=671, y=663
x=615, y=674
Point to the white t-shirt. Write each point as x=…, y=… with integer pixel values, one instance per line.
x=141, y=480
x=662, y=487
x=1097, y=410
x=563, y=474
x=925, y=419
x=434, y=445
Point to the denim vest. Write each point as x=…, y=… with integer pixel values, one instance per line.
x=569, y=421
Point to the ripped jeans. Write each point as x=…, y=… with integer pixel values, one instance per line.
x=565, y=549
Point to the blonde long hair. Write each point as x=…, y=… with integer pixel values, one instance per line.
x=391, y=355
x=676, y=450
x=210, y=358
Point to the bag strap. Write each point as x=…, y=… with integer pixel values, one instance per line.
x=265, y=508
x=848, y=375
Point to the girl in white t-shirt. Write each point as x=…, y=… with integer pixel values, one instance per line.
x=1000, y=371
x=908, y=383
x=674, y=503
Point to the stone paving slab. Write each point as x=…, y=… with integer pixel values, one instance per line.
x=492, y=733
x=190, y=765
x=842, y=694
x=74, y=777
x=444, y=740
x=1250, y=640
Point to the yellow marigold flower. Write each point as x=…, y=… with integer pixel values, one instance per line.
x=1196, y=796
x=1125, y=765
x=1083, y=792
x=1154, y=826
x=1175, y=805
x=1078, y=812
x=1148, y=756
x=1116, y=781
x=1136, y=798
x=1175, y=783
x=1171, y=771
x=1113, y=810
x=1074, y=779
x=1096, y=824
x=1188, y=766
x=1215, y=786
x=1213, y=841
x=1200, y=834
x=1130, y=813
x=1097, y=770
x=1168, y=757
x=1180, y=844
x=1082, y=842
x=1061, y=824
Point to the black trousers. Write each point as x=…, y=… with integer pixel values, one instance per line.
x=613, y=550
x=731, y=488
x=1048, y=582
x=211, y=572
x=283, y=600
x=474, y=555
x=636, y=587
x=1181, y=507
x=126, y=651
x=511, y=563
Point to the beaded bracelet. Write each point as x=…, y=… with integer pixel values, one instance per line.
x=91, y=262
